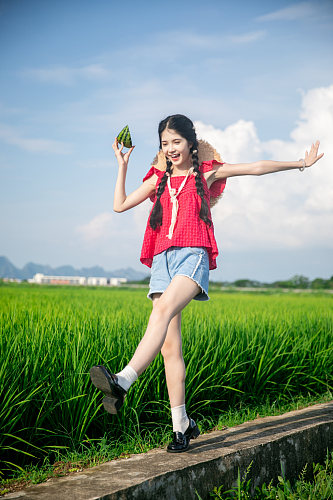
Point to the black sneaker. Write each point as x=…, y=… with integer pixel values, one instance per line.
x=181, y=441
x=108, y=383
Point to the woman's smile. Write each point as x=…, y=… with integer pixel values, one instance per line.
x=175, y=148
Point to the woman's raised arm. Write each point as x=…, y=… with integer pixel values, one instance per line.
x=262, y=167
x=121, y=201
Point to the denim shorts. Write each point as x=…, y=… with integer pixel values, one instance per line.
x=192, y=262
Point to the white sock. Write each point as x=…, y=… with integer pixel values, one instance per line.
x=180, y=420
x=126, y=377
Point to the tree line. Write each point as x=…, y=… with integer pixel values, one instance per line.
x=297, y=281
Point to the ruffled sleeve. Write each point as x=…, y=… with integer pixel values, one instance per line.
x=216, y=189
x=153, y=170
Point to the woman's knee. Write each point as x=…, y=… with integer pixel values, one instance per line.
x=172, y=350
x=162, y=310
x=172, y=346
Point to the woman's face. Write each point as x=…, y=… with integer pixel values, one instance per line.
x=175, y=148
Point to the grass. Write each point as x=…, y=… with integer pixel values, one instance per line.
x=320, y=487
x=242, y=351
x=97, y=452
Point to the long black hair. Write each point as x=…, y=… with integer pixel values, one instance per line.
x=185, y=128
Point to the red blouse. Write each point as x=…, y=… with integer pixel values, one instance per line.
x=190, y=230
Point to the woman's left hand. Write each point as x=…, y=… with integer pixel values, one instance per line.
x=311, y=158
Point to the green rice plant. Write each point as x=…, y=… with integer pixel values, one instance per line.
x=239, y=349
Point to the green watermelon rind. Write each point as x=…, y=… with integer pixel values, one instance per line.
x=125, y=137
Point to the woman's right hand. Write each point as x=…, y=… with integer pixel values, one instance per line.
x=121, y=157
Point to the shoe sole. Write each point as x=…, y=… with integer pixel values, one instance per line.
x=103, y=381
x=179, y=451
x=112, y=405
x=100, y=380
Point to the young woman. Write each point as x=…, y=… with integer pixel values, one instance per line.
x=180, y=247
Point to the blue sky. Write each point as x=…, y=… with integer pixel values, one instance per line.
x=255, y=77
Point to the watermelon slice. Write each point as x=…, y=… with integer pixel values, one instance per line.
x=125, y=137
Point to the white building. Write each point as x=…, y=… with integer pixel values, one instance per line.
x=58, y=280
x=117, y=281
x=97, y=281
x=76, y=280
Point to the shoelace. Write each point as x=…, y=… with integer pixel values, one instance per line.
x=175, y=205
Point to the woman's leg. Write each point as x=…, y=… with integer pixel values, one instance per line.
x=175, y=372
x=173, y=359
x=173, y=300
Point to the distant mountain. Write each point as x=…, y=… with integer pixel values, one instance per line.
x=8, y=270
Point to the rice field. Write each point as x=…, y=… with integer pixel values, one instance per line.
x=239, y=348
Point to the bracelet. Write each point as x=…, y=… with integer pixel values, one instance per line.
x=303, y=167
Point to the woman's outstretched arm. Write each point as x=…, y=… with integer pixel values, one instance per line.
x=262, y=167
x=121, y=201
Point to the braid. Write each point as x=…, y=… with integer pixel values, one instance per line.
x=204, y=210
x=157, y=212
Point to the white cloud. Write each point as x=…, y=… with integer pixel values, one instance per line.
x=232, y=141
x=11, y=135
x=116, y=229
x=140, y=216
x=96, y=229
x=184, y=39
x=248, y=37
x=313, y=120
x=292, y=12
x=290, y=209
x=66, y=75
x=196, y=41
x=180, y=48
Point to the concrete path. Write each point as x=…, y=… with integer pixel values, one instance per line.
x=274, y=444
